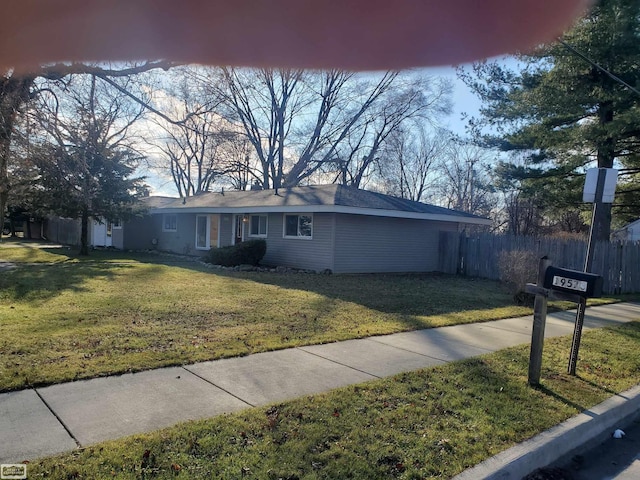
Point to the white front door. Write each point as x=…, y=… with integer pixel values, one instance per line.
x=101, y=234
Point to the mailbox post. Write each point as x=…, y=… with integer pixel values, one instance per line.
x=561, y=284
x=539, y=323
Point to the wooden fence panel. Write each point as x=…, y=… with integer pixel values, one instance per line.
x=631, y=268
x=449, y=250
x=478, y=256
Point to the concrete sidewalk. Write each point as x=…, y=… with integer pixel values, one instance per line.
x=45, y=421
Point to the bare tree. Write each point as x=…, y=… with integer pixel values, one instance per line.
x=194, y=149
x=17, y=90
x=240, y=166
x=265, y=103
x=300, y=124
x=464, y=183
x=411, y=104
x=412, y=157
x=83, y=153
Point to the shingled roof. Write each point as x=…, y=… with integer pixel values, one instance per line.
x=313, y=198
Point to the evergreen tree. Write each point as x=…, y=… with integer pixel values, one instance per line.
x=564, y=111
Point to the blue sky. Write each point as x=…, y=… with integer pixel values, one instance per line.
x=464, y=101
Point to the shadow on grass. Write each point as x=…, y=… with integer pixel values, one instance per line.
x=596, y=386
x=574, y=392
x=563, y=399
x=403, y=294
x=44, y=271
x=411, y=298
x=41, y=282
x=631, y=330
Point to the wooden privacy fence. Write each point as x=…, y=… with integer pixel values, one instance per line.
x=478, y=256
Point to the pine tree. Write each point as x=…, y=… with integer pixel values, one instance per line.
x=565, y=113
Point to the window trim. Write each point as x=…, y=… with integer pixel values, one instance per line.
x=266, y=226
x=298, y=237
x=207, y=238
x=165, y=216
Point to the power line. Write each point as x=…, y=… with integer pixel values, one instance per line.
x=604, y=70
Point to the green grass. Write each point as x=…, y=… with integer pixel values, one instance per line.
x=432, y=423
x=64, y=318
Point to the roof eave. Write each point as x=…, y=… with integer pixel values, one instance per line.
x=326, y=209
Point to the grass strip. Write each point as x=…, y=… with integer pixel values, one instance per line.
x=433, y=423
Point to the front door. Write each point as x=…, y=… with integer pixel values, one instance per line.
x=101, y=234
x=238, y=236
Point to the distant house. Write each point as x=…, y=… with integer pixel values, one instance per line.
x=628, y=233
x=334, y=227
x=101, y=233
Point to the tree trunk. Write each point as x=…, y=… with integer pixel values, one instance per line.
x=5, y=141
x=84, y=232
x=606, y=155
x=14, y=92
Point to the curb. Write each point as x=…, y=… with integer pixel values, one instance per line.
x=550, y=445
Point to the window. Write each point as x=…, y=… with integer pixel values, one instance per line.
x=258, y=227
x=169, y=223
x=117, y=224
x=202, y=231
x=298, y=226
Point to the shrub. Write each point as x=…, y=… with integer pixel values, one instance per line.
x=517, y=268
x=245, y=253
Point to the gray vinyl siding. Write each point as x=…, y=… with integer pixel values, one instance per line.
x=183, y=240
x=314, y=254
x=138, y=233
x=341, y=242
x=366, y=244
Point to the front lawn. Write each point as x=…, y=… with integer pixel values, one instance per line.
x=64, y=318
x=428, y=424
